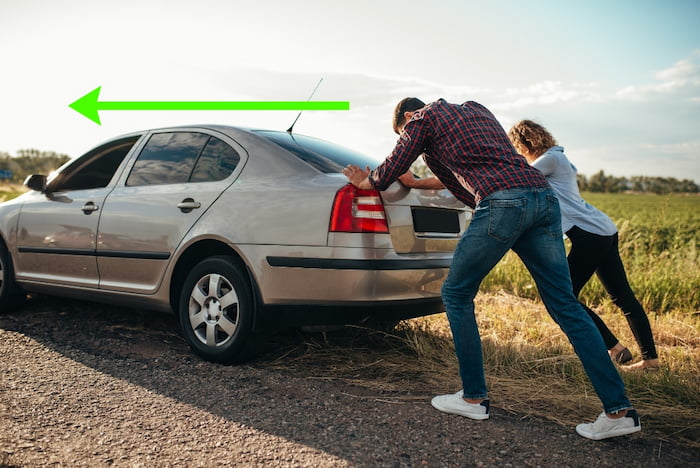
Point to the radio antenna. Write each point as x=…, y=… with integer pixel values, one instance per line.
x=289, y=130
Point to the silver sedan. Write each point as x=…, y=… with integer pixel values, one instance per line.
x=235, y=230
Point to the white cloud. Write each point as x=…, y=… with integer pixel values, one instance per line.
x=679, y=148
x=678, y=73
x=547, y=93
x=683, y=77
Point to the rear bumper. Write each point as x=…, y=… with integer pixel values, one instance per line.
x=322, y=291
x=300, y=285
x=349, y=282
x=285, y=316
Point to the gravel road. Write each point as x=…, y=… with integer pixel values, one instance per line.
x=91, y=385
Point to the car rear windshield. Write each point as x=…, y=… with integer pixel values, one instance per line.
x=325, y=156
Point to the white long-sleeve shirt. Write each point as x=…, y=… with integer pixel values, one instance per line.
x=575, y=211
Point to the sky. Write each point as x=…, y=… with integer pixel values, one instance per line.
x=616, y=83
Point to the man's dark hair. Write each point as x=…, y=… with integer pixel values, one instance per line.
x=409, y=104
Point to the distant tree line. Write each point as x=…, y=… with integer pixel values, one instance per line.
x=600, y=182
x=29, y=161
x=33, y=161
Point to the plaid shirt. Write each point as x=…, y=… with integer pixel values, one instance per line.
x=465, y=147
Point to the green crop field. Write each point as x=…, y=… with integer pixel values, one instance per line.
x=531, y=368
x=530, y=365
x=660, y=249
x=659, y=245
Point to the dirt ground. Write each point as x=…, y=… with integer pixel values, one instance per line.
x=90, y=385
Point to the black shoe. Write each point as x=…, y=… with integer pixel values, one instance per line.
x=623, y=356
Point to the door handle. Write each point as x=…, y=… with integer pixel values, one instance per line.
x=188, y=205
x=89, y=207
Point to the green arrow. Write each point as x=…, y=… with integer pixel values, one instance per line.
x=89, y=105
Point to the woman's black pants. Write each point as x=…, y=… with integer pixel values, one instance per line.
x=591, y=253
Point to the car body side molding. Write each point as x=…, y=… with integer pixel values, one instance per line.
x=354, y=264
x=96, y=253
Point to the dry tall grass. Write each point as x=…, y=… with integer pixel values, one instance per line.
x=530, y=366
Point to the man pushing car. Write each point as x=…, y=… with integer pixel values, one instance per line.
x=470, y=153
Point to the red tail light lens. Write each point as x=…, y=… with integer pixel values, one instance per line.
x=357, y=210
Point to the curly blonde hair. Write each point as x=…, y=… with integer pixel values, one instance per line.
x=530, y=138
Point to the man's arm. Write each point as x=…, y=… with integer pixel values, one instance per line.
x=410, y=181
x=410, y=145
x=358, y=177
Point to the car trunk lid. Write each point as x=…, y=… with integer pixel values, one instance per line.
x=423, y=221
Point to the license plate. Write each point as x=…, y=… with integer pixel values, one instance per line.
x=435, y=220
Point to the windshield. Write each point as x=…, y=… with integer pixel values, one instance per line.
x=325, y=156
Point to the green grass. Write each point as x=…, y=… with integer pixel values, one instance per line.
x=659, y=246
x=530, y=366
x=10, y=191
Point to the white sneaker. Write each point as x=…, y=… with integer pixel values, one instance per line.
x=455, y=404
x=605, y=427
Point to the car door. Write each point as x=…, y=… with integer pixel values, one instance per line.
x=57, y=228
x=174, y=180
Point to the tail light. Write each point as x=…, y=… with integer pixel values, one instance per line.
x=357, y=210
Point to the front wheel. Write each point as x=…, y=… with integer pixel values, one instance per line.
x=216, y=310
x=9, y=299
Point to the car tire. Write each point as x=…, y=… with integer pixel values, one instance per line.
x=216, y=311
x=9, y=299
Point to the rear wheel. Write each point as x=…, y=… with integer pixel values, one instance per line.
x=216, y=310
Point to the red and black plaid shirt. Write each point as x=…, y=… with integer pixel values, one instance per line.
x=465, y=147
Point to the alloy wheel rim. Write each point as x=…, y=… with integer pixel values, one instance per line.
x=214, y=310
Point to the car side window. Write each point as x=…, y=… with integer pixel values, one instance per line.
x=217, y=161
x=167, y=158
x=179, y=157
x=94, y=169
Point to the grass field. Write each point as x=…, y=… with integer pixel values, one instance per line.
x=10, y=191
x=530, y=366
x=659, y=245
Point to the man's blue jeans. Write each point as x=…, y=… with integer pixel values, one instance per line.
x=527, y=221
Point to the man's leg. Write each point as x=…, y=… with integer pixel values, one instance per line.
x=542, y=250
x=475, y=256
